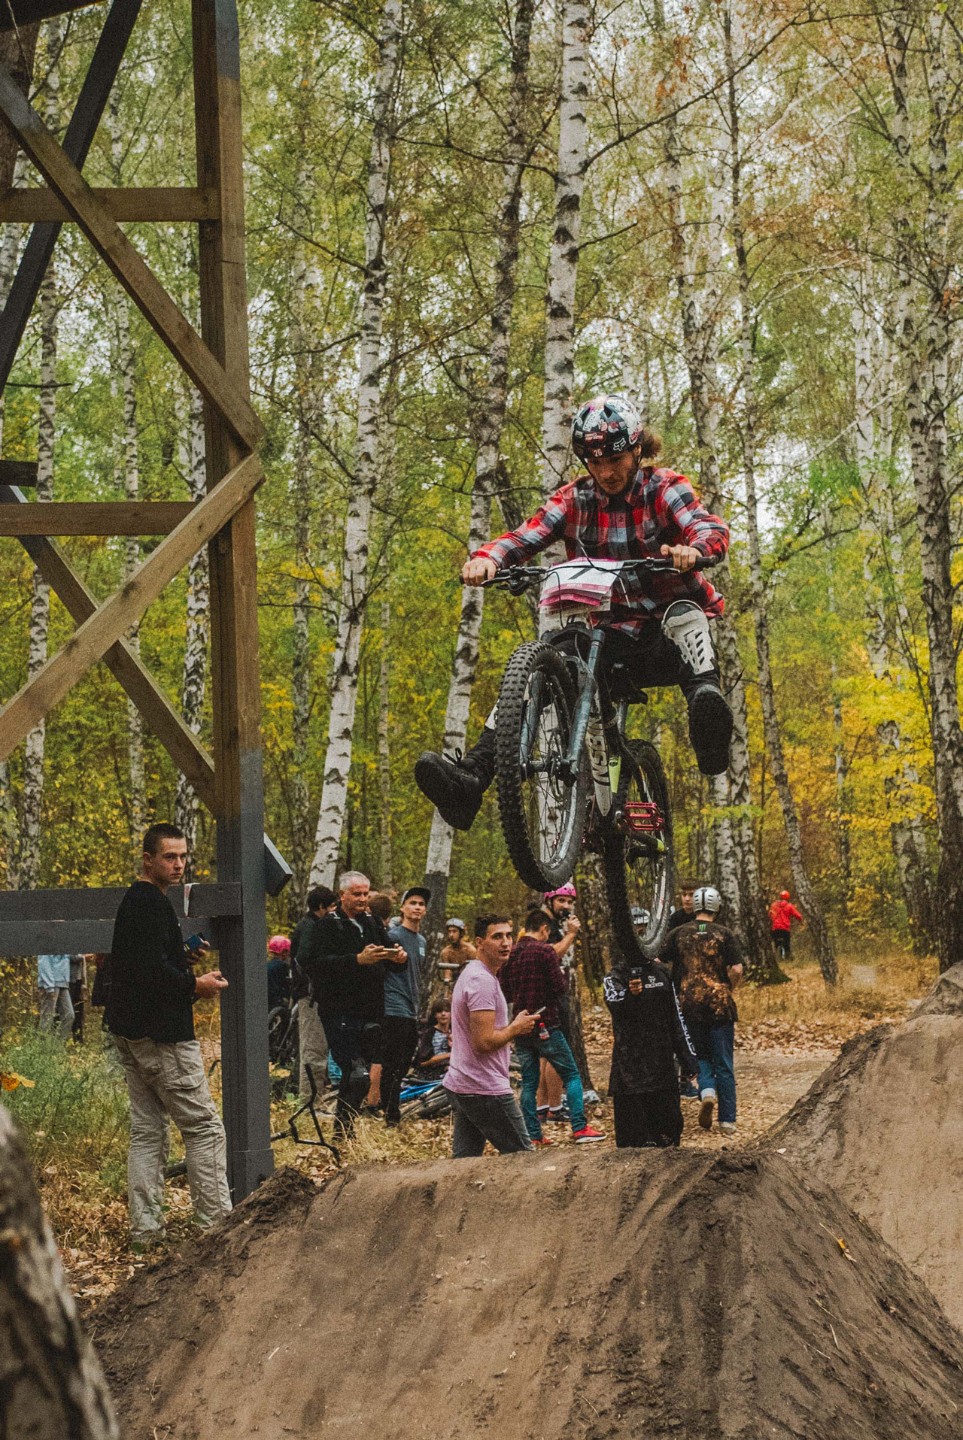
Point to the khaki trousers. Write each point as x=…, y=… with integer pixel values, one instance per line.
x=166, y=1081
x=313, y=1046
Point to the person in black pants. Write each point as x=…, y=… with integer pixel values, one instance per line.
x=648, y=1033
x=346, y=972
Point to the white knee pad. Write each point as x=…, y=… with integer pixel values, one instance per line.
x=688, y=628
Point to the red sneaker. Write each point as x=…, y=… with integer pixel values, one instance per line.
x=587, y=1135
x=543, y=1141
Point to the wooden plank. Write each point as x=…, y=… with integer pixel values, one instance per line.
x=78, y=937
x=102, y=902
x=113, y=619
x=94, y=93
x=161, y=203
x=16, y=13
x=18, y=472
x=165, y=721
x=128, y=266
x=95, y=517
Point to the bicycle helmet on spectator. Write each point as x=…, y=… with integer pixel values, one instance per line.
x=279, y=945
x=608, y=425
x=564, y=892
x=455, y=924
x=706, y=900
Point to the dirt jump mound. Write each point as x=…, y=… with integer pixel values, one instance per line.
x=884, y=1128
x=649, y=1293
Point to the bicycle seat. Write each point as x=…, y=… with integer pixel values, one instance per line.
x=623, y=687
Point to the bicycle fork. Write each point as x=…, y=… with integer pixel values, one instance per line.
x=591, y=730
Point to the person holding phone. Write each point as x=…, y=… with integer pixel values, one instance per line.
x=149, y=1012
x=346, y=973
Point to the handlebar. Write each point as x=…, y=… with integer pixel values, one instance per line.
x=519, y=578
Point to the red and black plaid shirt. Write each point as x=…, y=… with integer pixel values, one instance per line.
x=532, y=977
x=659, y=507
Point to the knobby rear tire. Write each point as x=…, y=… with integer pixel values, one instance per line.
x=537, y=673
x=643, y=777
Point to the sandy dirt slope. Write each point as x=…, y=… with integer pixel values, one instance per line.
x=884, y=1127
x=651, y=1294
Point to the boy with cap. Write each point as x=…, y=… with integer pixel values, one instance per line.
x=399, y=1029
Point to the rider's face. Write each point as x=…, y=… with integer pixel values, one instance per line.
x=613, y=473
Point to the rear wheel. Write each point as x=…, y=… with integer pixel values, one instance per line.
x=637, y=854
x=542, y=805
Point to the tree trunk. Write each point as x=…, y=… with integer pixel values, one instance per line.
x=9, y=249
x=354, y=583
x=807, y=896
x=925, y=342
x=564, y=252
x=51, y=1383
x=192, y=462
x=489, y=433
x=17, y=50
x=385, y=796
x=31, y=800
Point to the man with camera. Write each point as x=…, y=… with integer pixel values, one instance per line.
x=346, y=972
x=149, y=1012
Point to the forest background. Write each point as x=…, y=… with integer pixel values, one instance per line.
x=460, y=218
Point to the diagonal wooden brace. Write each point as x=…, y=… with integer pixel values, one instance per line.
x=125, y=262
x=114, y=618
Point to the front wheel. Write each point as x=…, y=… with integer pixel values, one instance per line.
x=638, y=854
x=542, y=805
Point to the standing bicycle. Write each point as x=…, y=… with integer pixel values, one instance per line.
x=650, y=527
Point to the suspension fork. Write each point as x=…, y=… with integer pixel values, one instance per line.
x=583, y=706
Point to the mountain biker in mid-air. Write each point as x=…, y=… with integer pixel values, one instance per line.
x=623, y=509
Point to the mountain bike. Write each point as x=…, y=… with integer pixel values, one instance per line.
x=567, y=776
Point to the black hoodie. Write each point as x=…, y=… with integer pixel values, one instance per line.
x=647, y=1030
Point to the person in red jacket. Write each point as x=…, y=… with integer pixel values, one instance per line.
x=782, y=913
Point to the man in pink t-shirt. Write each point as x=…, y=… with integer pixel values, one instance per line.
x=482, y=1101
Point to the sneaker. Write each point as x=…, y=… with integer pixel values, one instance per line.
x=728, y=1127
x=587, y=1135
x=541, y=1111
x=542, y=1140
x=560, y=1115
x=710, y=729
x=452, y=787
x=706, y=1108
x=689, y=1092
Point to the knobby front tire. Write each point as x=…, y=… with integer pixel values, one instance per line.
x=542, y=813
x=638, y=861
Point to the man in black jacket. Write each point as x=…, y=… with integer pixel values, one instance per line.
x=150, y=1015
x=346, y=970
x=312, y=1044
x=648, y=1031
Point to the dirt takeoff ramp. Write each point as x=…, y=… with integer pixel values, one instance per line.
x=647, y=1294
x=884, y=1127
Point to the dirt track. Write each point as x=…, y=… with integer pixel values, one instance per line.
x=634, y=1294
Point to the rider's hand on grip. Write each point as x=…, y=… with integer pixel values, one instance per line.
x=477, y=570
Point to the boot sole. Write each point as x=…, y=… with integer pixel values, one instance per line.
x=705, y=1114
x=710, y=719
x=432, y=783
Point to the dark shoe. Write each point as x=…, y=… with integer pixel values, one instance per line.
x=452, y=786
x=710, y=729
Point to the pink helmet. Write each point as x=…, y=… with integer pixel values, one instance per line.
x=279, y=945
x=564, y=892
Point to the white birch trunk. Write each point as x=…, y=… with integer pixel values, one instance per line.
x=564, y=252
x=344, y=680
x=191, y=459
x=31, y=800
x=9, y=822
x=385, y=798
x=925, y=341
x=489, y=434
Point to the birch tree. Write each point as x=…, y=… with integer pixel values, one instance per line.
x=31, y=799
x=491, y=418
x=354, y=584
x=191, y=462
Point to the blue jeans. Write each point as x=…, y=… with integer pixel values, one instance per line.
x=713, y=1047
x=556, y=1050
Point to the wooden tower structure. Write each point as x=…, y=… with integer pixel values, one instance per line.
x=228, y=781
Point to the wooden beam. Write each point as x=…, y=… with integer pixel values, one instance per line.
x=14, y=14
x=102, y=902
x=94, y=93
x=18, y=472
x=114, y=618
x=140, y=282
x=27, y=207
x=94, y=517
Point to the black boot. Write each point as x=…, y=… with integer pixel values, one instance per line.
x=710, y=727
x=455, y=786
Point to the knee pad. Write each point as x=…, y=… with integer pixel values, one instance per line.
x=688, y=629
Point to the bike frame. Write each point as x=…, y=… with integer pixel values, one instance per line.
x=594, y=697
